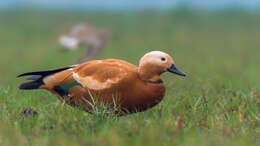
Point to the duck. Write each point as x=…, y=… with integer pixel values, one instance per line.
x=85, y=35
x=110, y=82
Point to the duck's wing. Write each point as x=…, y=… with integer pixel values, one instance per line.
x=98, y=75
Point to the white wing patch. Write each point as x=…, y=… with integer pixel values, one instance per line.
x=91, y=83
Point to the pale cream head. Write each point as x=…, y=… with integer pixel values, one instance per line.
x=157, y=60
x=153, y=64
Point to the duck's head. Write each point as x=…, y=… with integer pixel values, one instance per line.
x=154, y=63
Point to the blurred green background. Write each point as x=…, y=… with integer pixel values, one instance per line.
x=219, y=100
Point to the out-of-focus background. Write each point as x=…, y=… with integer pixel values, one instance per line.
x=215, y=42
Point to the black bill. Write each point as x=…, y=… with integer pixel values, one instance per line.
x=175, y=70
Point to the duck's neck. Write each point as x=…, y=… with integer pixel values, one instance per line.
x=148, y=74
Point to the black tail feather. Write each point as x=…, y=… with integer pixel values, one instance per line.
x=37, y=78
x=30, y=85
x=44, y=73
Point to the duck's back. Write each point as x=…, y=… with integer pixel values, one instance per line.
x=103, y=74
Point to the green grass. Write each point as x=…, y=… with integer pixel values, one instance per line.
x=219, y=100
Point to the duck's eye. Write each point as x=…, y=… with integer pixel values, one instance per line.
x=163, y=59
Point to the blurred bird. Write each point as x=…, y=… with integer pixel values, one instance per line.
x=87, y=36
x=111, y=81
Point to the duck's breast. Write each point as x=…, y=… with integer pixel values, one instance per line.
x=142, y=96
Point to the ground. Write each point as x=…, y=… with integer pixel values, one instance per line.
x=218, y=103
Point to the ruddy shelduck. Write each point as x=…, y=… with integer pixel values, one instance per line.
x=111, y=81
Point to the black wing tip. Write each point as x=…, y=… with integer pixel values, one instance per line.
x=22, y=87
x=44, y=73
x=21, y=75
x=30, y=85
x=34, y=77
x=25, y=74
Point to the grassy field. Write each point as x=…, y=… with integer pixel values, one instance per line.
x=219, y=100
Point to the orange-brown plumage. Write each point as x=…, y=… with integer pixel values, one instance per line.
x=111, y=81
